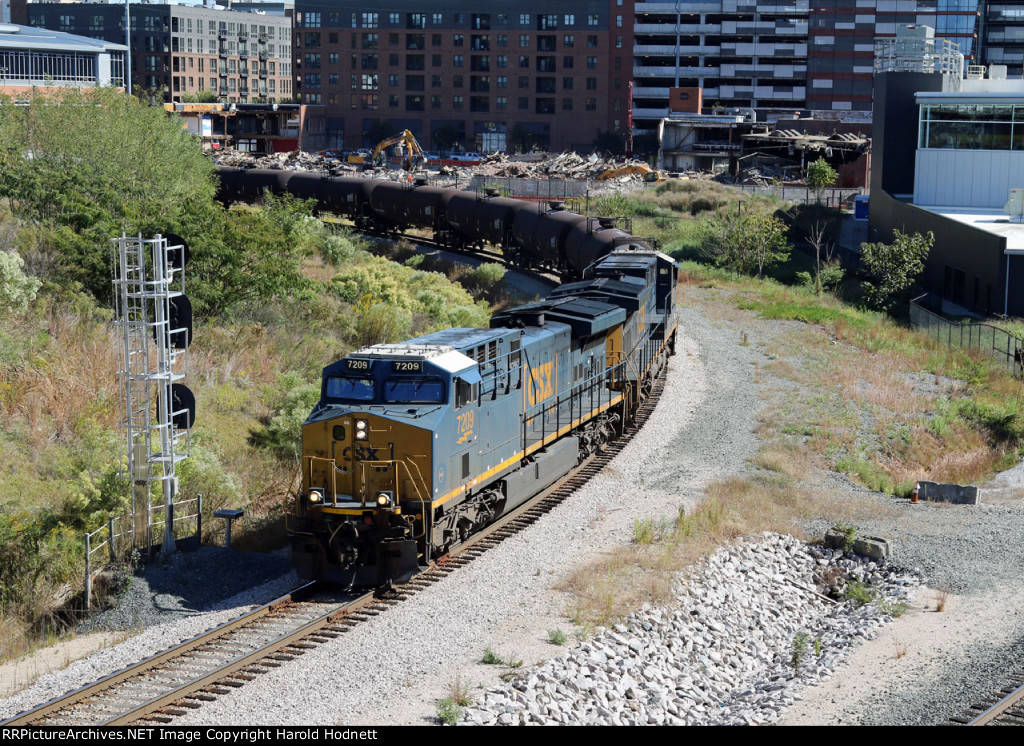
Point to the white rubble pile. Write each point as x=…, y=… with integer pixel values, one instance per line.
x=748, y=631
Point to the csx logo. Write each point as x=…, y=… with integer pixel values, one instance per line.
x=542, y=383
x=362, y=453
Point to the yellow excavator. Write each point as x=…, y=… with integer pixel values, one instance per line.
x=406, y=146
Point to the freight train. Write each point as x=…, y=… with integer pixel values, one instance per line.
x=415, y=446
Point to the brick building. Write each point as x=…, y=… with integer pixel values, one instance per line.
x=183, y=50
x=460, y=74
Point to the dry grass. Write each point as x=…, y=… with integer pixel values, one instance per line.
x=786, y=457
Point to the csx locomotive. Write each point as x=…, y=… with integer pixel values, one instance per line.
x=415, y=446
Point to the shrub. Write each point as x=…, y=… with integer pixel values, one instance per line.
x=16, y=289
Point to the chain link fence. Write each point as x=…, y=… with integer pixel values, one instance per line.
x=1005, y=347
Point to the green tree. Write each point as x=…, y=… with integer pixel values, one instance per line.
x=893, y=267
x=89, y=165
x=744, y=243
x=820, y=175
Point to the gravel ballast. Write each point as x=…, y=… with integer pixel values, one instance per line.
x=394, y=668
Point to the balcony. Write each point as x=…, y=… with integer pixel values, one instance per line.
x=668, y=71
x=670, y=50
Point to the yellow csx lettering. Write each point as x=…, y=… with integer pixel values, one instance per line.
x=542, y=383
x=465, y=426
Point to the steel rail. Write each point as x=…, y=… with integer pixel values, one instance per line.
x=105, y=685
x=1000, y=708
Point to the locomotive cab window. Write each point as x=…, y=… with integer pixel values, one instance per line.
x=411, y=391
x=465, y=393
x=350, y=389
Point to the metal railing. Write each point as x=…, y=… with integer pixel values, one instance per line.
x=1002, y=345
x=120, y=538
x=829, y=196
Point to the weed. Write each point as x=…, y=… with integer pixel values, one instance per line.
x=817, y=648
x=557, y=637
x=941, y=599
x=491, y=658
x=892, y=608
x=743, y=339
x=859, y=593
x=799, y=650
x=849, y=536
x=901, y=648
x=645, y=531
x=448, y=711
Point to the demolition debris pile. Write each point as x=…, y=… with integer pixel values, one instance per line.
x=567, y=165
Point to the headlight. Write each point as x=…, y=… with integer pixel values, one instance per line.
x=383, y=499
x=362, y=430
x=315, y=497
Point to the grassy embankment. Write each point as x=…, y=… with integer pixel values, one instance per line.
x=873, y=400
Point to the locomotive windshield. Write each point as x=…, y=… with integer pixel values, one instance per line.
x=350, y=389
x=407, y=391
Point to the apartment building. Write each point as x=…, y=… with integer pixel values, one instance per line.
x=185, y=51
x=777, y=56
x=1002, y=38
x=467, y=75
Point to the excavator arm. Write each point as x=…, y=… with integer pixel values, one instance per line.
x=412, y=154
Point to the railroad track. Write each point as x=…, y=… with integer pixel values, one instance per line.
x=1004, y=708
x=169, y=684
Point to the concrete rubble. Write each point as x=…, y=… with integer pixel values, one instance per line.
x=748, y=631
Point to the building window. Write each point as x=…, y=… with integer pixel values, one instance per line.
x=437, y=19
x=566, y=104
x=524, y=19
x=435, y=40
x=591, y=42
x=393, y=100
x=435, y=60
x=570, y=19
x=567, y=62
x=394, y=19
x=458, y=40
x=524, y=61
x=415, y=20
x=501, y=103
x=524, y=41
x=501, y=81
x=524, y=102
x=458, y=60
x=435, y=81
x=414, y=103
x=456, y=81
x=524, y=81
x=457, y=102
x=593, y=19
x=393, y=81
x=370, y=20
x=502, y=60
x=591, y=84
x=591, y=104
x=591, y=63
x=369, y=62
x=435, y=102
x=568, y=40
x=370, y=41
x=566, y=84
x=545, y=106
